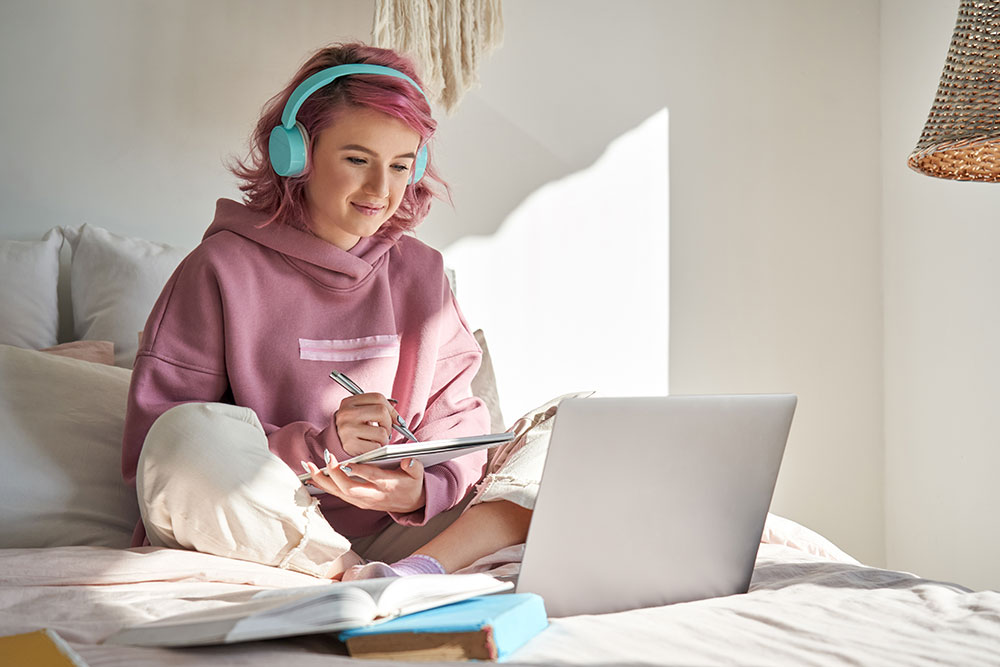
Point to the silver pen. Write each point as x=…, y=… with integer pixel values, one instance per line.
x=347, y=383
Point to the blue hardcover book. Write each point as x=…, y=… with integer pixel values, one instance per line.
x=488, y=627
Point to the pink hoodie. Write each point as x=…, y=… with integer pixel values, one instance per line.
x=259, y=316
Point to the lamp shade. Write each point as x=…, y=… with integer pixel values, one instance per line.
x=961, y=139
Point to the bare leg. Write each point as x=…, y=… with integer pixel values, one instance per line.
x=481, y=530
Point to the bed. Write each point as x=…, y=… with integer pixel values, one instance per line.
x=66, y=519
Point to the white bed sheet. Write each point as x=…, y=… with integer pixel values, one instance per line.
x=809, y=604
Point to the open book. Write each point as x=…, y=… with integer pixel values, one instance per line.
x=428, y=452
x=310, y=610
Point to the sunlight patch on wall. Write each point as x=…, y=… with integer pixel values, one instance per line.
x=572, y=291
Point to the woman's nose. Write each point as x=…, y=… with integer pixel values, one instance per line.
x=377, y=183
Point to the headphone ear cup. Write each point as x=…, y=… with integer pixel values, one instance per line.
x=419, y=165
x=287, y=149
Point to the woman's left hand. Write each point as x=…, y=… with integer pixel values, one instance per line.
x=369, y=487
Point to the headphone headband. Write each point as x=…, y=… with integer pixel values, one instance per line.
x=288, y=143
x=327, y=76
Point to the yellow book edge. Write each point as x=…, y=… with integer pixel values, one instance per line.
x=41, y=648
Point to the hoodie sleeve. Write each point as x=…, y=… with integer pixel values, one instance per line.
x=452, y=411
x=174, y=364
x=182, y=359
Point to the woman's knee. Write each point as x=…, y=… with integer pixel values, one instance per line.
x=197, y=440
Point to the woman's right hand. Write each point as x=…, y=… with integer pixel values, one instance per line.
x=364, y=422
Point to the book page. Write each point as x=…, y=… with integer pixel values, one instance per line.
x=309, y=610
x=274, y=613
x=342, y=606
x=405, y=595
x=360, y=602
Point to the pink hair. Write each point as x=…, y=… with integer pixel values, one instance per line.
x=284, y=198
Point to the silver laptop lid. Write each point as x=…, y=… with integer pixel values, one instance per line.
x=651, y=501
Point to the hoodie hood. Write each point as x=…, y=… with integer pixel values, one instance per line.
x=325, y=262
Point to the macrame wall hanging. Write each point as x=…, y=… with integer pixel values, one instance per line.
x=447, y=38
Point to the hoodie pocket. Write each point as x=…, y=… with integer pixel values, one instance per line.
x=350, y=349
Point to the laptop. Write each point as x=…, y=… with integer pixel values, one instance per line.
x=654, y=500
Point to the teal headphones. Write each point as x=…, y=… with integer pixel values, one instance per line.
x=289, y=141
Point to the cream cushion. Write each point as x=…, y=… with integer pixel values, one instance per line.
x=97, y=351
x=29, y=305
x=114, y=282
x=484, y=385
x=62, y=422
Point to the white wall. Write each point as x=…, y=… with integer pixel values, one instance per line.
x=775, y=242
x=942, y=324
x=571, y=304
x=120, y=113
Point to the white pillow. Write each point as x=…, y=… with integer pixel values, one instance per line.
x=114, y=282
x=29, y=275
x=62, y=422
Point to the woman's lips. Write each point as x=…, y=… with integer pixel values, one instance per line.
x=367, y=209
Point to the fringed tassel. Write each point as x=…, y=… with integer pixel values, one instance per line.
x=447, y=38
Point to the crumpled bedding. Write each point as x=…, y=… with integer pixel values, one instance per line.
x=809, y=604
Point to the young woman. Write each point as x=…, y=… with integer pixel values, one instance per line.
x=231, y=393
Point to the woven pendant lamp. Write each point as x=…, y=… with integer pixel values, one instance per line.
x=961, y=139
